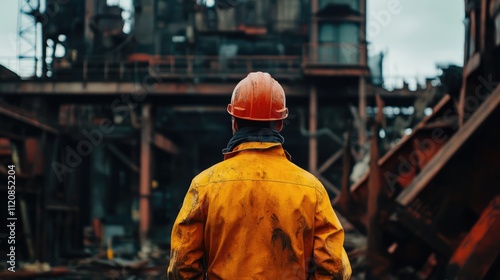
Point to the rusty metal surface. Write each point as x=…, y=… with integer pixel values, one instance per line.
x=399, y=165
x=414, y=212
x=443, y=156
x=145, y=171
x=432, y=213
x=424, y=227
x=25, y=117
x=480, y=248
x=379, y=262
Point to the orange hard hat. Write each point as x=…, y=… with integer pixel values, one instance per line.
x=258, y=97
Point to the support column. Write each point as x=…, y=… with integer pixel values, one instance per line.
x=379, y=263
x=312, y=49
x=313, y=123
x=362, y=113
x=145, y=175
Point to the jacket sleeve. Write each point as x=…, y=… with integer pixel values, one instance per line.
x=186, y=255
x=330, y=258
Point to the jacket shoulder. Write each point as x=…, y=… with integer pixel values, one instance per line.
x=308, y=178
x=205, y=176
x=228, y=170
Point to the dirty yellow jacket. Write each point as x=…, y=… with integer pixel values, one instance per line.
x=256, y=215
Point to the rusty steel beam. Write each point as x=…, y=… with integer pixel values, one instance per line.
x=25, y=117
x=472, y=65
x=379, y=263
x=145, y=171
x=450, y=148
x=424, y=231
x=355, y=210
x=476, y=254
x=165, y=144
x=345, y=198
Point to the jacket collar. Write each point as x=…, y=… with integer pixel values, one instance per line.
x=274, y=149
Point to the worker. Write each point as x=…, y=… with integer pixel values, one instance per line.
x=256, y=215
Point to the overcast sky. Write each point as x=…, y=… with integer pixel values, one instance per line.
x=416, y=35
x=8, y=30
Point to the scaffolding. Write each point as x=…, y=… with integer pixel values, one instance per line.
x=27, y=26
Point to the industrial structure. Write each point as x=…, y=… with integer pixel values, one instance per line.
x=127, y=104
x=430, y=206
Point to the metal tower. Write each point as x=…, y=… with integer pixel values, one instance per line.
x=29, y=16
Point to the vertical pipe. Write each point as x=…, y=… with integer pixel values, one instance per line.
x=145, y=175
x=313, y=43
x=362, y=112
x=363, y=48
x=314, y=6
x=313, y=141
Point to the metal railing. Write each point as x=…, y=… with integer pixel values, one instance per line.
x=333, y=54
x=198, y=66
x=179, y=67
x=271, y=26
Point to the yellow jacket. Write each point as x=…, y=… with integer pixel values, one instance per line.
x=256, y=215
